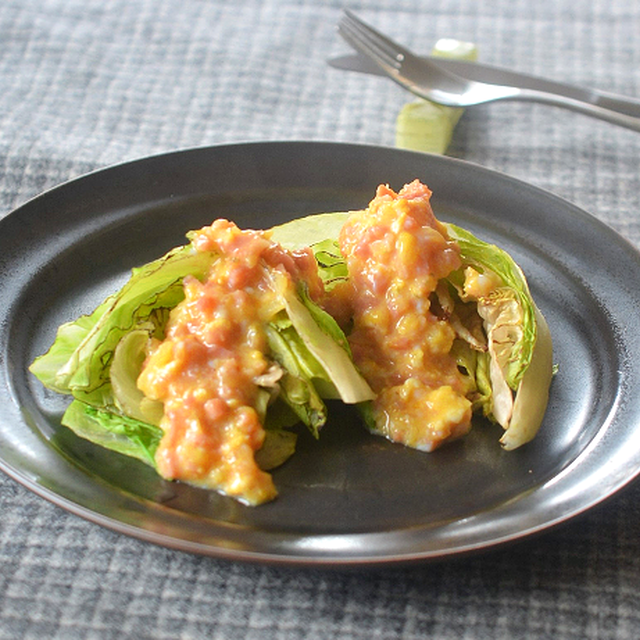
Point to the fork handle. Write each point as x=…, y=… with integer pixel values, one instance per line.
x=506, y=77
x=599, y=108
x=591, y=102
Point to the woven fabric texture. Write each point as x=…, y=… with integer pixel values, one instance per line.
x=85, y=84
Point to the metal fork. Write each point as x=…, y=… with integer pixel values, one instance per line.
x=427, y=80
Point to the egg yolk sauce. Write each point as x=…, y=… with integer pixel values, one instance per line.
x=397, y=252
x=206, y=371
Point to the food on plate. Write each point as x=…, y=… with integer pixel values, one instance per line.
x=441, y=324
x=205, y=358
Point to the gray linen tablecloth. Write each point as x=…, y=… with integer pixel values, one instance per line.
x=86, y=83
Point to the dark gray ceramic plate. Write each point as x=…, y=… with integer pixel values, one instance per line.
x=351, y=498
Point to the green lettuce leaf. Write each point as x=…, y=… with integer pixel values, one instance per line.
x=125, y=368
x=315, y=354
x=69, y=337
x=140, y=440
x=79, y=360
x=98, y=357
x=326, y=342
x=296, y=387
x=310, y=231
x=515, y=293
x=113, y=431
x=331, y=265
x=520, y=365
x=320, y=233
x=512, y=379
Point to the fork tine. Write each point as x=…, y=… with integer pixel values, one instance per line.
x=417, y=75
x=362, y=36
x=365, y=47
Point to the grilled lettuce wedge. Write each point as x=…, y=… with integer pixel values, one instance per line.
x=512, y=373
x=96, y=359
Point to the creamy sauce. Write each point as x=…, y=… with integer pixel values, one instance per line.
x=206, y=369
x=396, y=252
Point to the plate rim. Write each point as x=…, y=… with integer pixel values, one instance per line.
x=322, y=560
